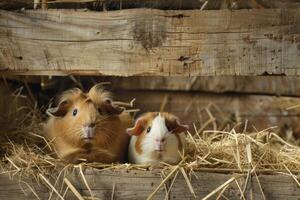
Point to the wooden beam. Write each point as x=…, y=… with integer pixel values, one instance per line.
x=16, y=4
x=134, y=184
x=165, y=4
x=265, y=85
x=151, y=42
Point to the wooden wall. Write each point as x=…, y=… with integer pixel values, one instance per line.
x=151, y=42
x=261, y=101
x=261, y=111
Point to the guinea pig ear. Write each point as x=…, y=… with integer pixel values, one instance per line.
x=59, y=111
x=108, y=108
x=138, y=128
x=174, y=126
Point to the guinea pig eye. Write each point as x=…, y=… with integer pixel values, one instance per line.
x=75, y=112
x=148, y=129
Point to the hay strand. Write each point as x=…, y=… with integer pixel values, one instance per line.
x=73, y=189
x=221, y=187
x=51, y=186
x=85, y=181
x=165, y=180
x=188, y=182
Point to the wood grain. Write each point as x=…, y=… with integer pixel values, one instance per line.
x=135, y=184
x=163, y=4
x=151, y=42
x=264, y=85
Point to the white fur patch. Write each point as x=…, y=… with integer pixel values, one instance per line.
x=159, y=129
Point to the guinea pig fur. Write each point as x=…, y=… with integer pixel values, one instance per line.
x=156, y=137
x=88, y=127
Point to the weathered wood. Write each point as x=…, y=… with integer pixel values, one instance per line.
x=163, y=4
x=44, y=4
x=16, y=4
x=151, y=42
x=266, y=85
x=139, y=184
x=261, y=111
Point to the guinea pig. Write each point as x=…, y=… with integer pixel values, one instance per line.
x=88, y=126
x=156, y=137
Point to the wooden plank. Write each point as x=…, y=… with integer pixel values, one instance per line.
x=151, y=42
x=16, y=4
x=12, y=188
x=135, y=184
x=261, y=111
x=266, y=85
x=162, y=4
x=111, y=4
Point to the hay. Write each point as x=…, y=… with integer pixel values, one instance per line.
x=26, y=153
x=228, y=150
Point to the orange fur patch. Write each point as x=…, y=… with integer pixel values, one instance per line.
x=147, y=118
x=138, y=146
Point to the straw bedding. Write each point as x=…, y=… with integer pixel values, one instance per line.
x=26, y=153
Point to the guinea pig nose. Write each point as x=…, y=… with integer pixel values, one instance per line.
x=161, y=140
x=90, y=125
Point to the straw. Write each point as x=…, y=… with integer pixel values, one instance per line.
x=188, y=182
x=73, y=189
x=221, y=187
x=164, y=181
x=51, y=186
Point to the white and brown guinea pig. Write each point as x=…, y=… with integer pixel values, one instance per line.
x=156, y=137
x=87, y=126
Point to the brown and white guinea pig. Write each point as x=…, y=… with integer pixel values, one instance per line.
x=87, y=126
x=156, y=137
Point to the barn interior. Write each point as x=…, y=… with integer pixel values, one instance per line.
x=229, y=69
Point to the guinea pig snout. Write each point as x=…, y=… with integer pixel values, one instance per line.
x=160, y=144
x=88, y=131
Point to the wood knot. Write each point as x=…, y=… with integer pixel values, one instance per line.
x=19, y=57
x=186, y=59
x=149, y=32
